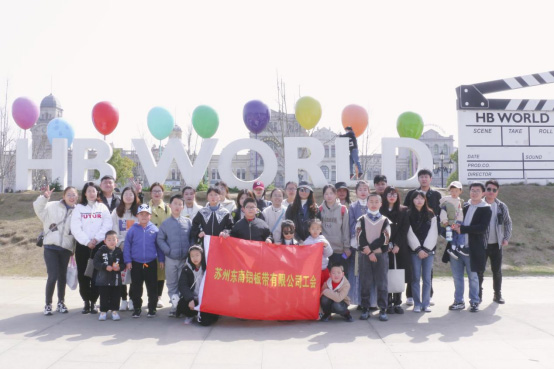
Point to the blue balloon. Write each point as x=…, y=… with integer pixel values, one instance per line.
x=160, y=122
x=256, y=116
x=59, y=128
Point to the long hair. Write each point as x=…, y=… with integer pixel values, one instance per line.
x=419, y=217
x=297, y=205
x=84, y=200
x=249, y=194
x=120, y=210
x=223, y=184
x=396, y=205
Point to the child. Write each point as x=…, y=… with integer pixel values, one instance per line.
x=314, y=228
x=109, y=262
x=452, y=213
x=334, y=295
x=287, y=233
x=189, y=287
x=140, y=254
x=374, y=261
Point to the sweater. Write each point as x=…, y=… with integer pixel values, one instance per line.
x=141, y=246
x=451, y=210
x=338, y=294
x=51, y=213
x=336, y=226
x=429, y=243
x=89, y=222
x=327, y=250
x=174, y=238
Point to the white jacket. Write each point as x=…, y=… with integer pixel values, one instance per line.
x=89, y=223
x=54, y=213
x=190, y=213
x=271, y=217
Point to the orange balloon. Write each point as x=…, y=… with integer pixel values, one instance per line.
x=356, y=117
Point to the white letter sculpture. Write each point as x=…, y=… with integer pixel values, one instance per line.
x=388, y=164
x=310, y=164
x=25, y=163
x=82, y=163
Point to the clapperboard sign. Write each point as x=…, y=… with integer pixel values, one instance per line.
x=510, y=140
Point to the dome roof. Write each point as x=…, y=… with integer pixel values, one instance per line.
x=50, y=102
x=177, y=128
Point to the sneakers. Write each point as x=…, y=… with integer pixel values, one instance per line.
x=427, y=309
x=93, y=308
x=160, y=303
x=383, y=316
x=130, y=305
x=399, y=310
x=115, y=316
x=365, y=314
x=409, y=301
x=136, y=313
x=463, y=250
x=453, y=253
x=48, y=310
x=325, y=317
x=86, y=309
x=390, y=310
x=123, y=306
x=189, y=320
x=474, y=307
x=348, y=317
x=62, y=308
x=417, y=309
x=171, y=313
x=498, y=299
x=151, y=314
x=175, y=301
x=102, y=316
x=457, y=306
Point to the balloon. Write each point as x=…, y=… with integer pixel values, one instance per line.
x=59, y=128
x=105, y=117
x=255, y=115
x=25, y=112
x=409, y=124
x=160, y=122
x=308, y=112
x=356, y=117
x=205, y=121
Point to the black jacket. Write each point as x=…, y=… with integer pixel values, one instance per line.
x=352, y=141
x=104, y=258
x=251, y=230
x=477, y=237
x=262, y=203
x=212, y=223
x=187, y=283
x=433, y=200
x=236, y=215
x=300, y=223
x=400, y=224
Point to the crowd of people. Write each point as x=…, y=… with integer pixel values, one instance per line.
x=121, y=240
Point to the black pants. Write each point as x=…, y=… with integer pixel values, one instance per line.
x=378, y=272
x=144, y=273
x=494, y=252
x=109, y=298
x=123, y=292
x=395, y=299
x=160, y=287
x=336, y=259
x=205, y=319
x=87, y=288
x=56, y=268
x=329, y=306
x=409, y=288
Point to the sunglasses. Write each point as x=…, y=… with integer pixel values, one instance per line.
x=304, y=190
x=492, y=190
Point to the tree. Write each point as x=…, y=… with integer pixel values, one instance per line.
x=7, y=145
x=123, y=167
x=454, y=175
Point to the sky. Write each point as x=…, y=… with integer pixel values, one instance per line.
x=389, y=57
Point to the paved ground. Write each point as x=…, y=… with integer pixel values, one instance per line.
x=519, y=334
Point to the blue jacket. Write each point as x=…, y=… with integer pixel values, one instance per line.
x=141, y=246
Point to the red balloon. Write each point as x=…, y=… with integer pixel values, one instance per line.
x=105, y=117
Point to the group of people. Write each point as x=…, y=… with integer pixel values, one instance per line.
x=117, y=241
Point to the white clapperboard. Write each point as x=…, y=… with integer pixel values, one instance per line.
x=510, y=140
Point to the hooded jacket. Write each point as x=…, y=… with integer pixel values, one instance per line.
x=89, y=222
x=55, y=212
x=104, y=258
x=336, y=226
x=141, y=246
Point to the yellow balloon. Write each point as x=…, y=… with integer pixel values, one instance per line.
x=308, y=112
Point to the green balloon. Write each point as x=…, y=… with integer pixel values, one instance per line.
x=409, y=124
x=205, y=121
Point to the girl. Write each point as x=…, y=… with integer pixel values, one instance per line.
x=336, y=227
x=393, y=209
x=315, y=236
x=287, y=233
x=238, y=212
x=59, y=244
x=212, y=219
x=274, y=215
x=422, y=239
x=343, y=193
x=160, y=211
x=90, y=221
x=302, y=210
x=123, y=217
x=290, y=190
x=224, y=196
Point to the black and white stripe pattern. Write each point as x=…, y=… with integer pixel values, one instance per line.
x=471, y=96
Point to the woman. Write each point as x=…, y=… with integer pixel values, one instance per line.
x=90, y=221
x=59, y=244
x=343, y=193
x=212, y=219
x=274, y=215
x=422, y=240
x=393, y=209
x=290, y=191
x=302, y=210
x=224, y=196
x=160, y=211
x=123, y=217
x=238, y=213
x=336, y=226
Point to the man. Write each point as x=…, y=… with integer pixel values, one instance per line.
x=477, y=217
x=111, y=200
x=251, y=227
x=424, y=178
x=191, y=208
x=380, y=184
x=353, y=146
x=500, y=231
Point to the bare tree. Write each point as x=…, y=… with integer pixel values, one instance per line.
x=7, y=145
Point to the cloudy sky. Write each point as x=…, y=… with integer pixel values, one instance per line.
x=388, y=57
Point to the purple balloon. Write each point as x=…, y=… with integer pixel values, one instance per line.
x=256, y=116
x=25, y=112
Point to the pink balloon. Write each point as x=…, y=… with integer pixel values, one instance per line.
x=25, y=112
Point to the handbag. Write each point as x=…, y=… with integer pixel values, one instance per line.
x=89, y=271
x=71, y=275
x=40, y=237
x=396, y=279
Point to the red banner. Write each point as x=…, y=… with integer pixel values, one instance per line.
x=261, y=281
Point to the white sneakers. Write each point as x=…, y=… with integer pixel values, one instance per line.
x=115, y=316
x=123, y=306
x=130, y=305
x=409, y=301
x=160, y=303
x=102, y=316
x=189, y=320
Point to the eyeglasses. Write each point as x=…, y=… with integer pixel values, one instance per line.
x=475, y=190
x=492, y=190
x=394, y=195
x=157, y=191
x=250, y=207
x=288, y=232
x=304, y=190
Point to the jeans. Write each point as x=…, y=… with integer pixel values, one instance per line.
x=494, y=252
x=56, y=267
x=354, y=159
x=457, y=267
x=329, y=306
x=421, y=268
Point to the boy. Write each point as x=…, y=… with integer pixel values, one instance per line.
x=251, y=227
x=140, y=255
x=334, y=295
x=174, y=239
x=374, y=262
x=109, y=263
x=451, y=213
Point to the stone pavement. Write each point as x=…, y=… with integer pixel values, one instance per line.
x=519, y=334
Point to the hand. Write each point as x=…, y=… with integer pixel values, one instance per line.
x=366, y=250
x=137, y=186
x=348, y=252
x=91, y=244
x=373, y=257
x=268, y=241
x=422, y=255
x=456, y=228
x=47, y=192
x=201, y=234
x=109, y=268
x=191, y=305
x=129, y=266
x=116, y=267
x=504, y=243
x=224, y=234
x=162, y=265
x=395, y=249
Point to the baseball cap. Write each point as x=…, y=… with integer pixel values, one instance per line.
x=455, y=184
x=144, y=208
x=341, y=185
x=304, y=184
x=258, y=184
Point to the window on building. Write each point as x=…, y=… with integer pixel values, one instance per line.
x=325, y=171
x=445, y=149
x=173, y=175
x=333, y=172
x=326, y=151
x=333, y=152
x=436, y=149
